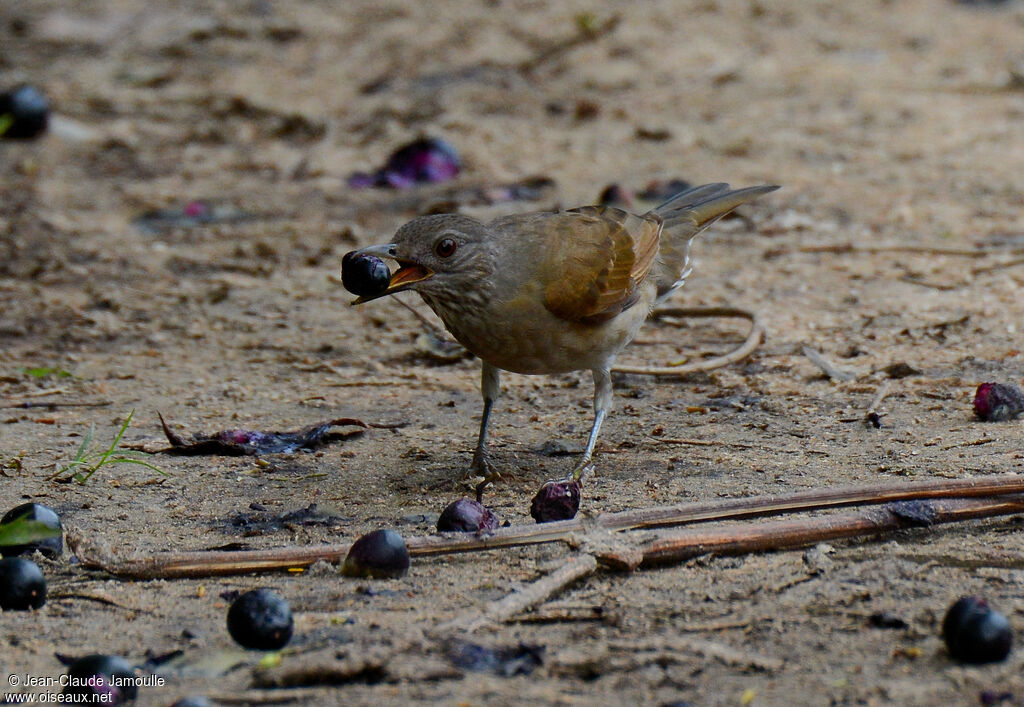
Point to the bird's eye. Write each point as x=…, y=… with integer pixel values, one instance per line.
x=444, y=248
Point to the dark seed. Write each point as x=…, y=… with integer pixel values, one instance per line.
x=974, y=633
x=94, y=676
x=556, y=500
x=996, y=402
x=467, y=516
x=22, y=584
x=364, y=275
x=381, y=555
x=260, y=619
x=50, y=547
x=26, y=110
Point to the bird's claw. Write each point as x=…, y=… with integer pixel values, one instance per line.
x=482, y=467
x=582, y=471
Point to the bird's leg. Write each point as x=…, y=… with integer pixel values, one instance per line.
x=490, y=388
x=602, y=404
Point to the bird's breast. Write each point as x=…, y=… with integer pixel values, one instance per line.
x=519, y=334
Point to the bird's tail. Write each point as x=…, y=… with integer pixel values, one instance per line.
x=684, y=216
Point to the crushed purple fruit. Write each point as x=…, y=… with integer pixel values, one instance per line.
x=236, y=443
x=424, y=160
x=997, y=402
x=467, y=516
x=556, y=500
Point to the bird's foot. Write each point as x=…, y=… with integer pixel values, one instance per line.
x=481, y=468
x=581, y=471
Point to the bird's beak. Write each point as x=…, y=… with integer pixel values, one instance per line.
x=408, y=274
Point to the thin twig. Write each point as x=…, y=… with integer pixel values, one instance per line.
x=572, y=570
x=841, y=248
x=788, y=534
x=997, y=266
x=29, y=405
x=872, y=416
x=753, y=340
x=205, y=563
x=827, y=367
x=585, y=34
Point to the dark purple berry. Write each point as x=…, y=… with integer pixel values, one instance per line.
x=25, y=111
x=364, y=275
x=996, y=402
x=260, y=619
x=467, y=516
x=50, y=547
x=381, y=555
x=106, y=679
x=556, y=500
x=974, y=633
x=22, y=584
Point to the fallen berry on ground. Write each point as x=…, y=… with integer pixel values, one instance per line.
x=50, y=547
x=974, y=633
x=24, y=112
x=94, y=676
x=996, y=402
x=467, y=516
x=260, y=619
x=380, y=555
x=556, y=500
x=22, y=584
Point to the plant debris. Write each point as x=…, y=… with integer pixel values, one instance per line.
x=519, y=660
x=198, y=212
x=260, y=521
x=240, y=443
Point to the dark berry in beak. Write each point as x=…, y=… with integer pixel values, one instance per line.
x=364, y=275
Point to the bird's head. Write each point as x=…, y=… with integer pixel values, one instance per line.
x=439, y=256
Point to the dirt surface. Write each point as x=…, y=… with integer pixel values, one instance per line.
x=887, y=124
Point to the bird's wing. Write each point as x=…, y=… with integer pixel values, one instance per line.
x=597, y=257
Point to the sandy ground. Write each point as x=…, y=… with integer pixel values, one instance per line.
x=888, y=124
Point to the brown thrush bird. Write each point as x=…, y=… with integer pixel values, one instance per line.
x=552, y=292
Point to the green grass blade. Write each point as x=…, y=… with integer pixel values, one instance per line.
x=140, y=462
x=117, y=440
